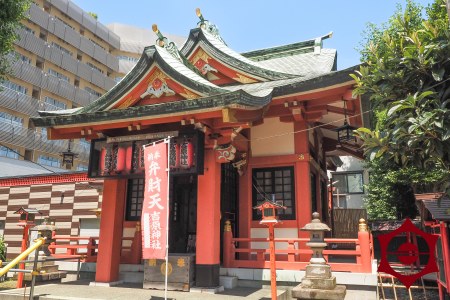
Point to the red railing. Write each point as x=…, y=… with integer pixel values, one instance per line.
x=85, y=246
x=238, y=253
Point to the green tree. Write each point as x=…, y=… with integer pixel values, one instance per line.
x=11, y=12
x=406, y=73
x=94, y=15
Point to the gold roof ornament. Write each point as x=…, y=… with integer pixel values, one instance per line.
x=164, y=42
x=208, y=26
x=161, y=38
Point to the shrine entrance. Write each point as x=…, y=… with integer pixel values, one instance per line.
x=183, y=214
x=228, y=200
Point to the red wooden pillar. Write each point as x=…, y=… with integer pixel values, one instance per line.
x=302, y=176
x=23, y=247
x=111, y=229
x=302, y=181
x=208, y=223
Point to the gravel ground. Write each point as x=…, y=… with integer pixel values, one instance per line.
x=8, y=284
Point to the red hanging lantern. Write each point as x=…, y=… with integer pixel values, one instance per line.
x=120, y=160
x=128, y=158
x=102, y=163
x=186, y=154
x=174, y=159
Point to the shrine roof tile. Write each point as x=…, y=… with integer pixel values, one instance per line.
x=220, y=51
x=238, y=98
x=18, y=168
x=303, y=63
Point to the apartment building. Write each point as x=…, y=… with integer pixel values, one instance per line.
x=133, y=40
x=63, y=59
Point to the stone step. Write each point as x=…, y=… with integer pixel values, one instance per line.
x=131, y=277
x=228, y=282
x=46, y=276
x=281, y=295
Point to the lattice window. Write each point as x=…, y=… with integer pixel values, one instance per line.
x=135, y=198
x=274, y=184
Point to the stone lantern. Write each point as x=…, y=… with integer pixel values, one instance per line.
x=318, y=282
x=45, y=230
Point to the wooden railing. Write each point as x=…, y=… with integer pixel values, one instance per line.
x=345, y=255
x=66, y=246
x=85, y=246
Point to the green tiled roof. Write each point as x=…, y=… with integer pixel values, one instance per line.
x=239, y=98
x=286, y=50
x=226, y=55
x=284, y=70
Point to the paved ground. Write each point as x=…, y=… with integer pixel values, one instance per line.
x=82, y=290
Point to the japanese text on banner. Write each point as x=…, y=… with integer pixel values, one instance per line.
x=154, y=208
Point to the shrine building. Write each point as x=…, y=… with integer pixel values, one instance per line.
x=246, y=127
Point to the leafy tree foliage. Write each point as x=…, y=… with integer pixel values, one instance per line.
x=11, y=12
x=406, y=73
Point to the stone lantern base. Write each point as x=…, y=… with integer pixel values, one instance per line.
x=338, y=293
x=318, y=283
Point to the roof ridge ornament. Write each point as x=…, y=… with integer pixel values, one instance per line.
x=166, y=43
x=208, y=26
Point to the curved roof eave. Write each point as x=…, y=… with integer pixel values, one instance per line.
x=223, y=53
x=211, y=103
x=159, y=56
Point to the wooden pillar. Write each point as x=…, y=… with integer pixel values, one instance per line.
x=245, y=209
x=111, y=230
x=302, y=176
x=208, y=223
x=364, y=244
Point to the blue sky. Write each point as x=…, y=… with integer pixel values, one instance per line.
x=249, y=25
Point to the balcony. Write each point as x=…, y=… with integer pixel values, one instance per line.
x=41, y=48
x=31, y=139
x=50, y=83
x=18, y=102
x=64, y=32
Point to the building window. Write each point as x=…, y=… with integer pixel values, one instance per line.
x=127, y=58
x=59, y=47
x=85, y=144
x=135, y=197
x=11, y=153
x=82, y=168
x=21, y=57
x=274, y=183
x=15, y=87
x=58, y=75
x=44, y=133
x=65, y=23
x=54, y=104
x=349, y=183
x=10, y=119
x=27, y=29
x=95, y=67
x=92, y=91
x=49, y=161
x=97, y=44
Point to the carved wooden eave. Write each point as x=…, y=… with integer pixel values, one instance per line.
x=208, y=86
x=203, y=48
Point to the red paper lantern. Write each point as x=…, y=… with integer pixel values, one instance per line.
x=102, y=162
x=174, y=155
x=120, y=160
x=128, y=158
x=186, y=154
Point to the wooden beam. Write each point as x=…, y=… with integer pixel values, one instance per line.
x=357, y=154
x=340, y=110
x=326, y=126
